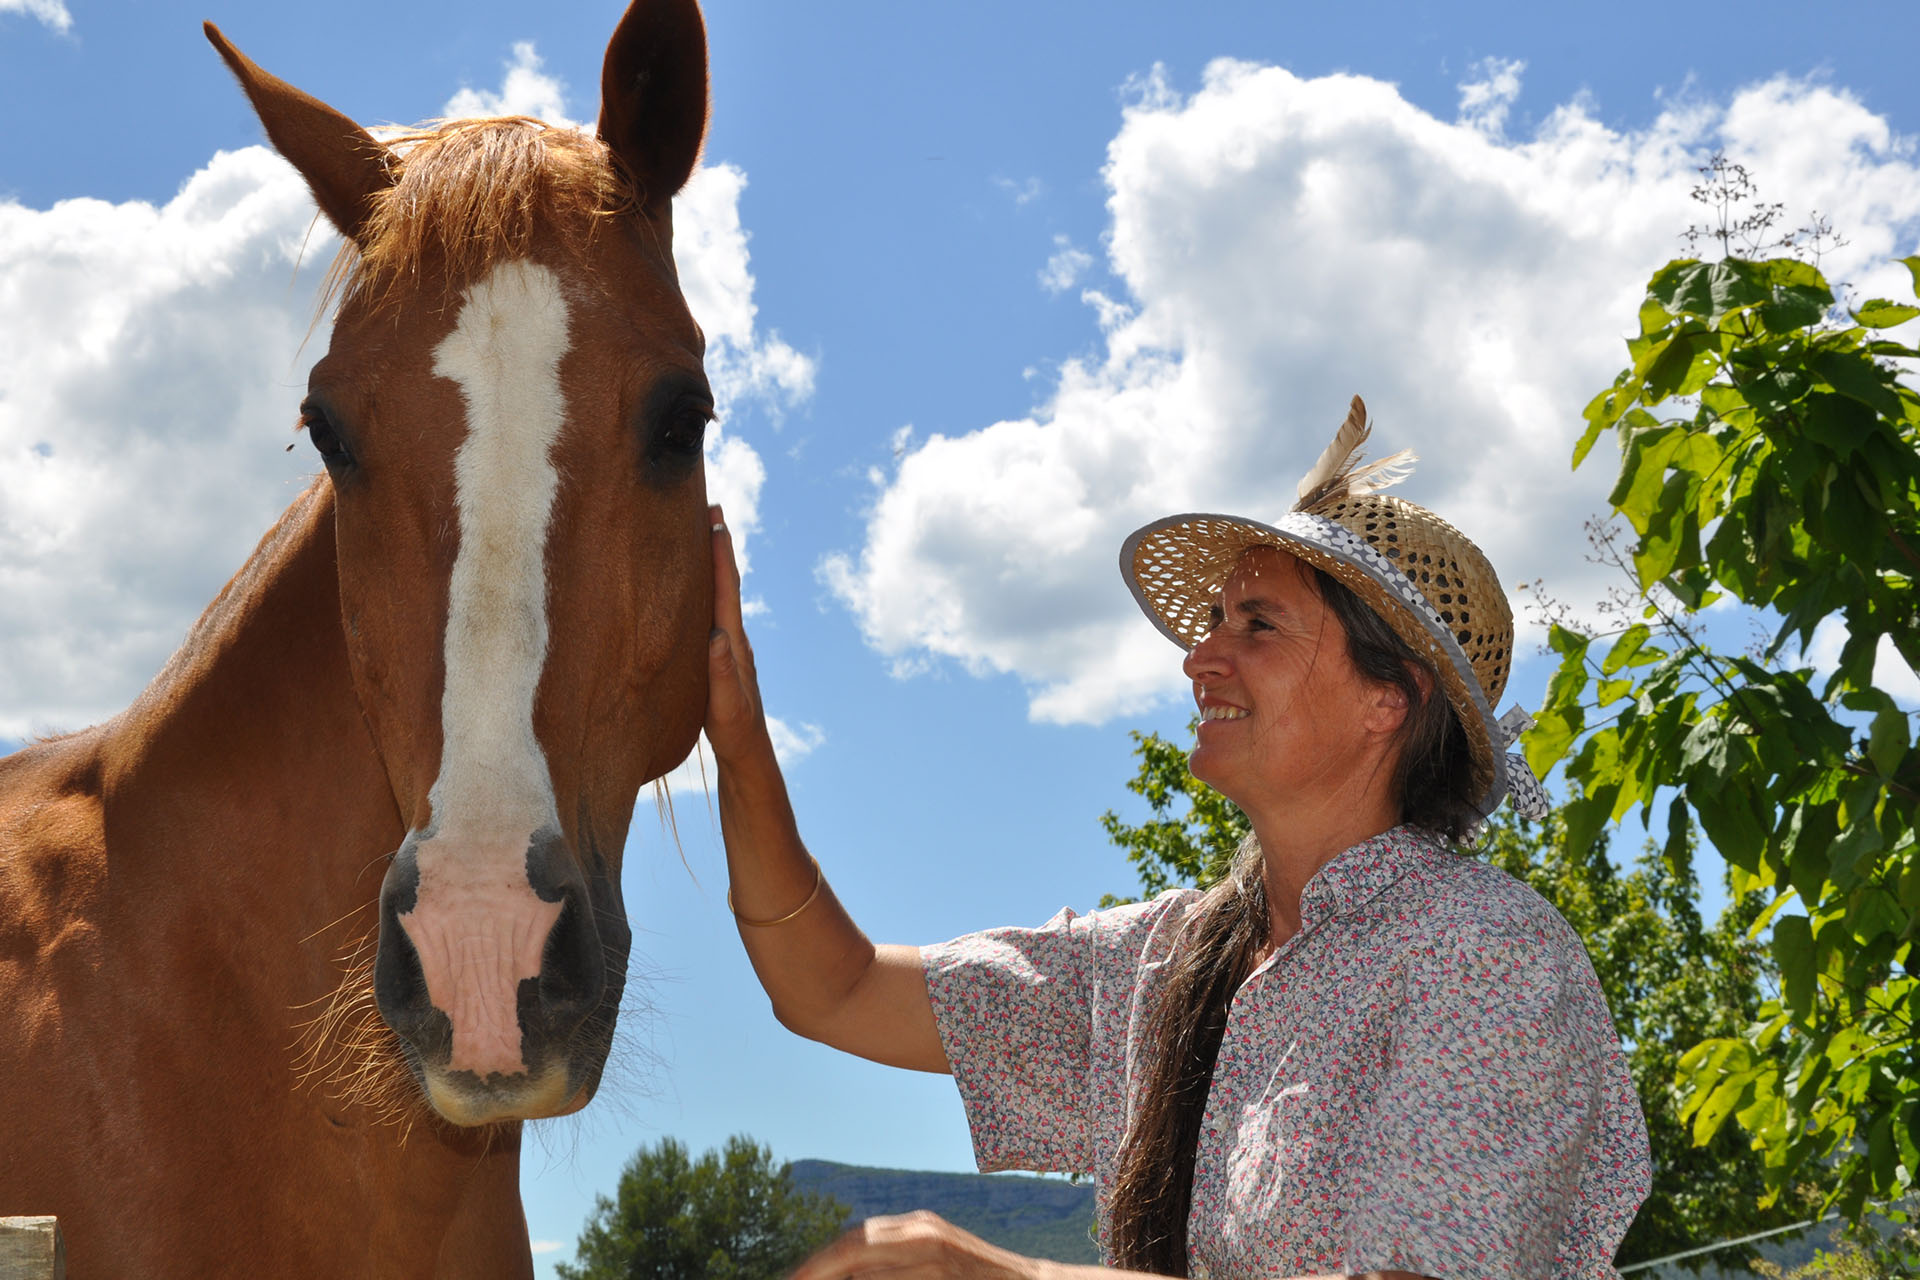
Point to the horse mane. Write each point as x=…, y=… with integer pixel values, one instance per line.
x=470, y=193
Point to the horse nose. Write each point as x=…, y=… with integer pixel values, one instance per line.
x=573, y=968
x=487, y=963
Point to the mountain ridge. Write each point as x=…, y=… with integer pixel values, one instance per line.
x=1040, y=1217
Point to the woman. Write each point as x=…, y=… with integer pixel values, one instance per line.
x=1362, y=1053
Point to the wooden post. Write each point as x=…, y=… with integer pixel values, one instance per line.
x=31, y=1249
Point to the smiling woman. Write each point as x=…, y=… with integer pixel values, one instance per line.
x=1362, y=1053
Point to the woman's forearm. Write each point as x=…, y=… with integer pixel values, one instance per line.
x=815, y=956
x=825, y=979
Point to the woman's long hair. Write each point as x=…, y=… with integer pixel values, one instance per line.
x=1153, y=1188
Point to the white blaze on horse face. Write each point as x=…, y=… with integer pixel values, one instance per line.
x=477, y=924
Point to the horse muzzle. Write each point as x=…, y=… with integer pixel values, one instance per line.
x=492, y=974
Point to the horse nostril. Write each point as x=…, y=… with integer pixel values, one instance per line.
x=573, y=971
x=399, y=983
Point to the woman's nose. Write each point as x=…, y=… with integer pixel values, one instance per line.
x=1206, y=659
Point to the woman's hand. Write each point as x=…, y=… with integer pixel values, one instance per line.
x=918, y=1244
x=736, y=723
x=926, y=1245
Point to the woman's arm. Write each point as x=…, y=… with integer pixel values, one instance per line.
x=926, y=1245
x=826, y=980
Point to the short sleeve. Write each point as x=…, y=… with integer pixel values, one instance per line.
x=1033, y=1024
x=1507, y=1141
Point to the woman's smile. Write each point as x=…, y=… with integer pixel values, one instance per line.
x=1214, y=709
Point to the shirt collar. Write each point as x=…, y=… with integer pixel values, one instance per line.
x=1351, y=879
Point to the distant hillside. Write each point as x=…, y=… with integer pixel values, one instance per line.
x=1050, y=1218
x=1039, y=1217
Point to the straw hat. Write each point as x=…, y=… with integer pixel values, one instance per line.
x=1419, y=573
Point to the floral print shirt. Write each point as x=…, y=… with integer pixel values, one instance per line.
x=1425, y=1077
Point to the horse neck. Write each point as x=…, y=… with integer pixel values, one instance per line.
x=242, y=789
x=248, y=821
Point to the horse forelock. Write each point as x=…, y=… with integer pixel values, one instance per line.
x=470, y=194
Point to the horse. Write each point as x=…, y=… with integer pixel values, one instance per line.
x=419, y=715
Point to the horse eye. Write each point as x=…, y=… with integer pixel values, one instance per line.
x=685, y=428
x=325, y=439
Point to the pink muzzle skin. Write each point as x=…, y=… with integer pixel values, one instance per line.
x=479, y=931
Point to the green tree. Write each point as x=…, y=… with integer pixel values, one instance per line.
x=730, y=1215
x=1785, y=477
x=1670, y=980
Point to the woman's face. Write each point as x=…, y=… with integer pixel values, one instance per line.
x=1285, y=719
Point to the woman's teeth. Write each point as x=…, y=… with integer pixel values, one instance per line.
x=1218, y=712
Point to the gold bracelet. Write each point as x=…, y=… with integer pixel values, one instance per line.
x=819, y=878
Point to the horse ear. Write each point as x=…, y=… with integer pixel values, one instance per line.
x=343, y=165
x=653, y=96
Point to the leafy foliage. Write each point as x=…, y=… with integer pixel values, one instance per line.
x=1786, y=478
x=1670, y=980
x=730, y=1215
x=1864, y=1250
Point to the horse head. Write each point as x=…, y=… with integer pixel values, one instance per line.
x=510, y=413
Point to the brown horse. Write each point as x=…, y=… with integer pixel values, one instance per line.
x=456, y=658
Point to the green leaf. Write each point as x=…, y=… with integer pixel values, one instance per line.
x=1887, y=745
x=1913, y=266
x=1672, y=541
x=1608, y=692
x=1878, y=915
x=1568, y=642
x=1791, y=310
x=1726, y=812
x=1792, y=273
x=1719, y=1105
x=1882, y=314
x=1552, y=733
x=1624, y=648
x=1776, y=388
x=1759, y=925
x=1586, y=441
x=1643, y=472
x=1685, y=365
x=1882, y=1157
x=1604, y=410
x=1856, y=375
x=1585, y=815
x=1792, y=948
x=1859, y=841
x=1710, y=289
x=1800, y=295
x=1679, y=830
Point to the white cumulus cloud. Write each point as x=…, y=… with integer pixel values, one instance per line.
x=1282, y=244
x=526, y=90
x=51, y=12
x=152, y=359
x=1484, y=102
x=1065, y=266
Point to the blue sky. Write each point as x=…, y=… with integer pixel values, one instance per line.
x=991, y=284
